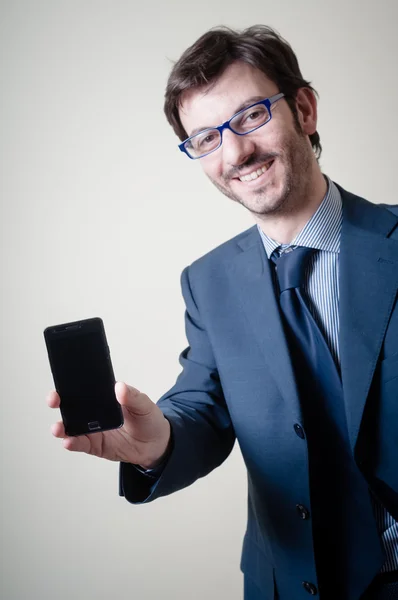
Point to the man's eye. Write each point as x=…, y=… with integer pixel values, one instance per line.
x=206, y=142
x=208, y=139
x=255, y=115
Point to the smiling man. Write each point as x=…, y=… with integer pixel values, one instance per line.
x=270, y=172
x=293, y=339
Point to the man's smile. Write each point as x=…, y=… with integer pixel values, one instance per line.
x=258, y=173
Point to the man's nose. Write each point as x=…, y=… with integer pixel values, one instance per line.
x=236, y=148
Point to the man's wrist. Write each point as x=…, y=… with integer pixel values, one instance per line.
x=159, y=464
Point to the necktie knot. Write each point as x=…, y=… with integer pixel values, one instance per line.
x=291, y=267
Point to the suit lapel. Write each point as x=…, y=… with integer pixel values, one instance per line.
x=254, y=287
x=368, y=280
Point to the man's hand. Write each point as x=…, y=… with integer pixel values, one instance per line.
x=142, y=440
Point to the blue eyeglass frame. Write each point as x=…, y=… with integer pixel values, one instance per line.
x=268, y=102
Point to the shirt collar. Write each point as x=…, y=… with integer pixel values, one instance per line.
x=322, y=231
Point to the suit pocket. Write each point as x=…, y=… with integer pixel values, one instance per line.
x=255, y=564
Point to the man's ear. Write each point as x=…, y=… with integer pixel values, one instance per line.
x=307, y=111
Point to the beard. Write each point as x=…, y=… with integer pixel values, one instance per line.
x=294, y=164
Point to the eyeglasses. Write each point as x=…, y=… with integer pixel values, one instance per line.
x=243, y=122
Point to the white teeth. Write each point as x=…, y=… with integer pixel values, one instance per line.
x=255, y=174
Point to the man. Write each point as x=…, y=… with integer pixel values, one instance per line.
x=293, y=338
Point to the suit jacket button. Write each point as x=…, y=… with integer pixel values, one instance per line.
x=299, y=431
x=303, y=511
x=310, y=588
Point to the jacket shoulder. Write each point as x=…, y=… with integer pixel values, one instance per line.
x=224, y=252
x=391, y=207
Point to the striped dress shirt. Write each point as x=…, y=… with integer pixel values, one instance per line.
x=321, y=287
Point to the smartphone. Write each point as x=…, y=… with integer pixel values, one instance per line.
x=83, y=376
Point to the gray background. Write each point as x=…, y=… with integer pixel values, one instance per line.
x=100, y=213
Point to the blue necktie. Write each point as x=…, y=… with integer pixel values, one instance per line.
x=304, y=336
x=347, y=546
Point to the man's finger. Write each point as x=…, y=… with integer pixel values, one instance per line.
x=58, y=430
x=53, y=399
x=79, y=443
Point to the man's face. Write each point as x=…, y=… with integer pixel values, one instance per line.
x=281, y=146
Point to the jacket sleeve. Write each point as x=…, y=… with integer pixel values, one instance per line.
x=202, y=432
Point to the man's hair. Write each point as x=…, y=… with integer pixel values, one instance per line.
x=259, y=46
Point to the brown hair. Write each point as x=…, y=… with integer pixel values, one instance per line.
x=259, y=46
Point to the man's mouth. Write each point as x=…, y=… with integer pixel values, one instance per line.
x=256, y=173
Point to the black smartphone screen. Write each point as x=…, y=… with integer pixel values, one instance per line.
x=83, y=376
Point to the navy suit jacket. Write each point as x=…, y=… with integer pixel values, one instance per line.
x=237, y=382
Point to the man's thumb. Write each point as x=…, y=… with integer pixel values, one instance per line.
x=132, y=399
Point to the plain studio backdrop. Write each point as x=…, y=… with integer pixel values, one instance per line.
x=100, y=213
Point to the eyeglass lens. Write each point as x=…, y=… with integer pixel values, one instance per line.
x=244, y=122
